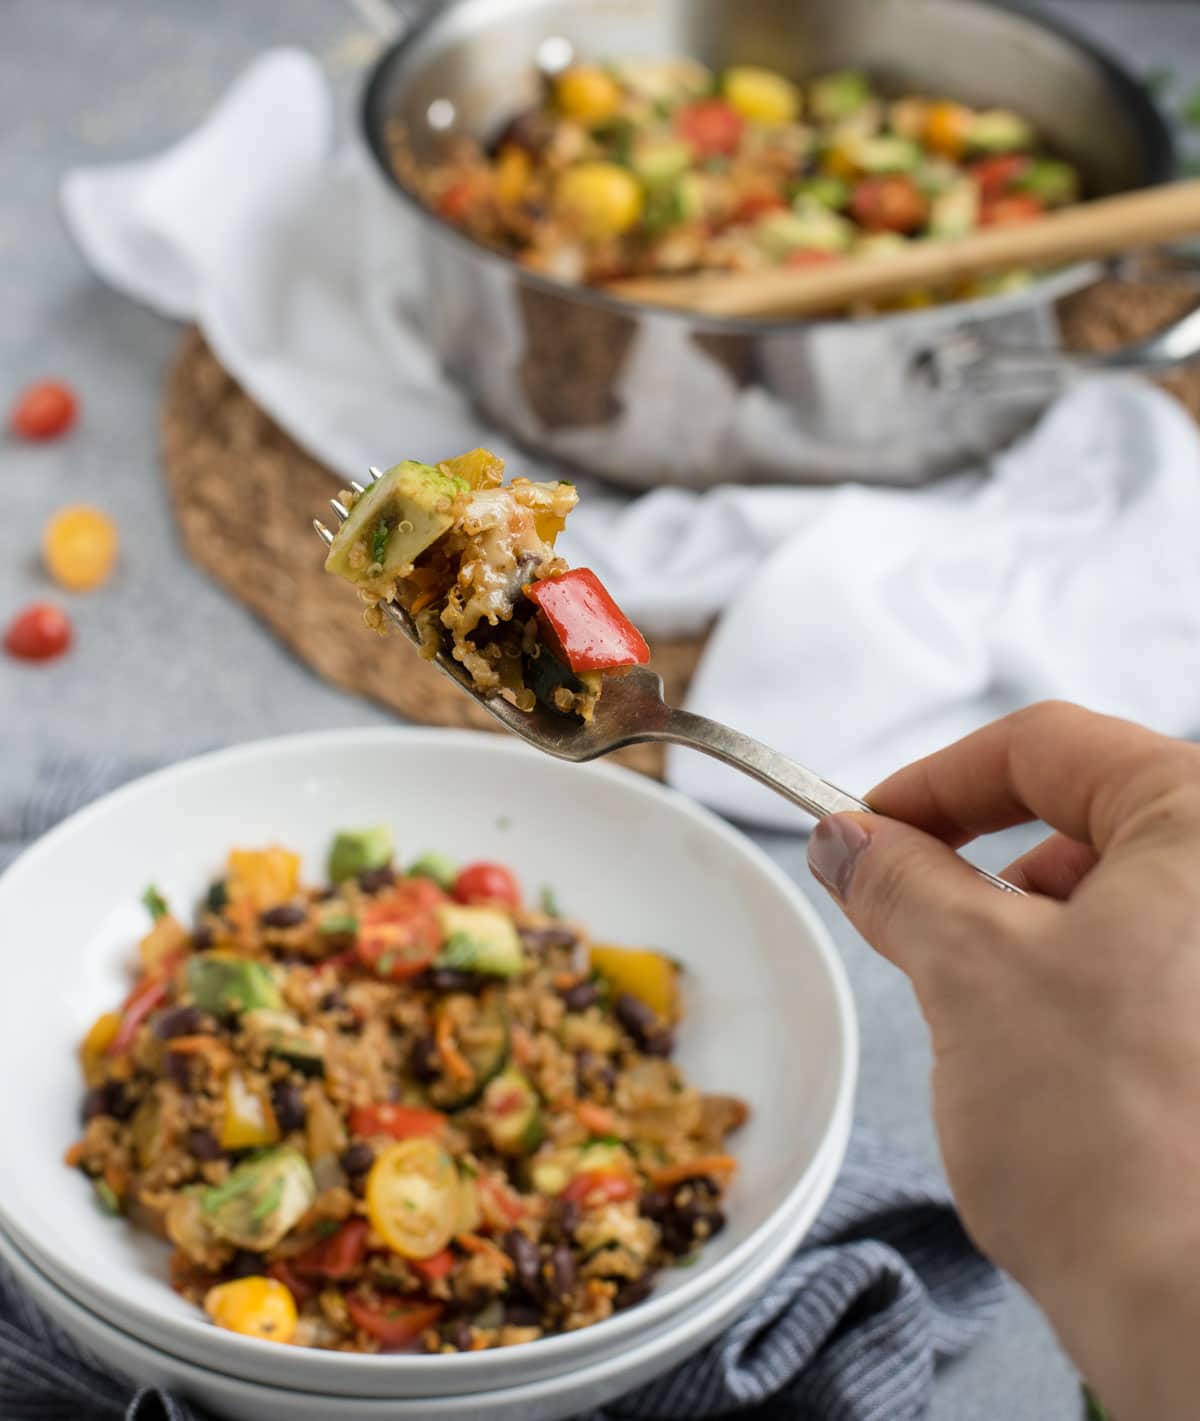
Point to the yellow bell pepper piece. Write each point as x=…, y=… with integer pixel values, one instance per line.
x=647, y=975
x=479, y=468
x=255, y=1307
x=602, y=198
x=587, y=94
x=946, y=128
x=761, y=95
x=264, y=877
x=513, y=170
x=249, y=1122
x=100, y=1036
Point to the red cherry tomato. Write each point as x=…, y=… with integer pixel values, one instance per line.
x=392, y=1318
x=487, y=883
x=299, y=1288
x=1010, y=208
x=402, y=1122
x=337, y=1256
x=890, y=203
x=39, y=633
x=994, y=175
x=44, y=410
x=812, y=256
x=600, y=1187
x=398, y=933
x=757, y=204
x=432, y=1270
x=711, y=126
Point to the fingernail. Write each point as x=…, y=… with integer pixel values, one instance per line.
x=834, y=849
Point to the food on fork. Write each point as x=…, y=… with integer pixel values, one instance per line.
x=401, y=1110
x=471, y=561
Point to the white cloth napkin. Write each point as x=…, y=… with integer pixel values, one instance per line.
x=857, y=627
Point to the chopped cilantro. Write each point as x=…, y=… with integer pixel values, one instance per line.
x=155, y=904
x=379, y=539
x=386, y=963
x=270, y=1201
x=411, y=1204
x=337, y=923
x=326, y=1227
x=106, y=1196
x=217, y=896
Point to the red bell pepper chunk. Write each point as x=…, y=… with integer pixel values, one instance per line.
x=299, y=1288
x=148, y=994
x=996, y=175
x=394, y=1320
x=583, y=626
x=338, y=1256
x=398, y=933
x=432, y=1270
x=1010, y=208
x=713, y=127
x=600, y=1187
x=402, y=1122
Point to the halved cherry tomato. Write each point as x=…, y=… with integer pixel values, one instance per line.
x=583, y=626
x=891, y=202
x=485, y=882
x=432, y=1270
x=149, y=993
x=337, y=1256
x=413, y=1198
x=711, y=126
x=402, y=1122
x=598, y=1186
x=812, y=256
x=398, y=933
x=392, y=1318
x=299, y=1288
x=39, y=633
x=757, y=204
x=995, y=175
x=44, y=410
x=1010, y=208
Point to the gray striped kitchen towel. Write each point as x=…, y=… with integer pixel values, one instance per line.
x=885, y=1286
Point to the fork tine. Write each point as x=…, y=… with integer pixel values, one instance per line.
x=341, y=512
x=358, y=488
x=376, y=474
x=322, y=532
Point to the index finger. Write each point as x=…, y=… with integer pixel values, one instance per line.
x=1080, y=772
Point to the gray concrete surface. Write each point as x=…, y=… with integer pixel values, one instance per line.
x=164, y=662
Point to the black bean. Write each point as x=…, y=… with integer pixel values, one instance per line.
x=635, y=1016
x=539, y=940
x=450, y=979
x=564, y=1217
x=178, y=1021
x=459, y=1334
x=358, y=1158
x=519, y=1314
x=654, y=1204
x=121, y=1104
x=245, y=1264
x=562, y=1274
x=177, y=1068
x=524, y=1254
x=592, y=1069
x=376, y=878
x=659, y=1043
x=95, y=1103
x=581, y=996
x=202, y=938
x=332, y=1001
x=286, y=915
x=204, y=1145
x=423, y=1059
x=290, y=1111
x=635, y=1290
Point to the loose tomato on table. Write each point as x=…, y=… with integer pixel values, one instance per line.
x=399, y=934
x=338, y=1256
x=485, y=882
x=392, y=1319
x=44, y=410
x=39, y=633
x=891, y=202
x=583, y=626
x=712, y=127
x=596, y=1186
x=1010, y=208
x=402, y=1122
x=79, y=545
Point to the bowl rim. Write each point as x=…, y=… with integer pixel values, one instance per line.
x=1136, y=98
x=324, y=744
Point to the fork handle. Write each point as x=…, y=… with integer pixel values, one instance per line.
x=813, y=794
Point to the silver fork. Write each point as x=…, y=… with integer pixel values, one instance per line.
x=632, y=711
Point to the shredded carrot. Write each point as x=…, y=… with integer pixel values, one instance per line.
x=219, y=1056
x=421, y=601
x=452, y=1058
x=476, y=1243
x=117, y=1179
x=596, y=1118
x=564, y=981
x=73, y=1155
x=522, y=1046
x=692, y=1168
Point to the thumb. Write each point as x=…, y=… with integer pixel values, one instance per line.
x=912, y=898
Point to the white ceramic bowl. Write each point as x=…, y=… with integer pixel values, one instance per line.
x=549, y=1399
x=769, y=1015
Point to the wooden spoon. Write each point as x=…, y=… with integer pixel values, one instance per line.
x=1101, y=228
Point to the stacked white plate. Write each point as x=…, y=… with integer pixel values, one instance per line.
x=768, y=1017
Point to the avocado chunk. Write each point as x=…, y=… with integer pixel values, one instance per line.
x=224, y=984
x=839, y=94
x=442, y=869
x=480, y=940
x=513, y=1114
x=999, y=131
x=955, y=211
x=261, y=1200
x=822, y=191
x=781, y=233
x=1051, y=181
x=888, y=154
x=393, y=522
x=357, y=851
x=658, y=161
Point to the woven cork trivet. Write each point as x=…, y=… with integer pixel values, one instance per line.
x=244, y=494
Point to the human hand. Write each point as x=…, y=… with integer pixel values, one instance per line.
x=1065, y=1025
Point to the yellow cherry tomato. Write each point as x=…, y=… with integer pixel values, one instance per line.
x=761, y=95
x=255, y=1307
x=414, y=1199
x=602, y=198
x=513, y=169
x=80, y=547
x=587, y=94
x=946, y=127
